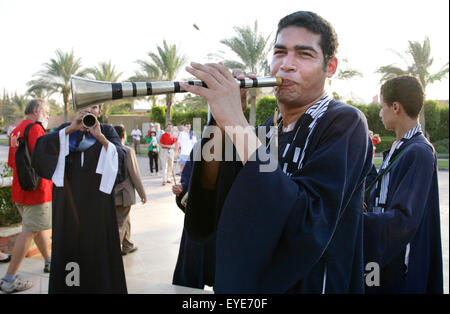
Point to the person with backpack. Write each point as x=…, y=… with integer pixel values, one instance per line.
x=34, y=201
x=402, y=236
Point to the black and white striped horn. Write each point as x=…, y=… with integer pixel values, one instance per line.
x=87, y=92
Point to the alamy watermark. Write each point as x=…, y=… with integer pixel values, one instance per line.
x=244, y=139
x=372, y=274
x=73, y=277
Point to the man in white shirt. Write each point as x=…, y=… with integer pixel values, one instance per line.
x=136, y=134
x=186, y=140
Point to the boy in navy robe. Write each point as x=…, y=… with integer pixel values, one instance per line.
x=298, y=227
x=84, y=166
x=402, y=226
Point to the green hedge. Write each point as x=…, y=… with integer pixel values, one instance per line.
x=9, y=214
x=265, y=108
x=441, y=146
x=385, y=144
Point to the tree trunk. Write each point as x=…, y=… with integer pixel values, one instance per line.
x=252, y=107
x=66, y=105
x=169, y=98
x=422, y=122
x=422, y=112
x=105, y=112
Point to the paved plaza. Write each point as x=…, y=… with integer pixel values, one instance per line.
x=156, y=229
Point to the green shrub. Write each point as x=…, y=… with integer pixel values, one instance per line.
x=180, y=118
x=265, y=108
x=443, y=123
x=9, y=214
x=385, y=144
x=441, y=146
x=432, y=119
x=159, y=115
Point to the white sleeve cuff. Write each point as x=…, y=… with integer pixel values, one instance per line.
x=58, y=175
x=108, y=165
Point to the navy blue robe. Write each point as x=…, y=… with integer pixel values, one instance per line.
x=196, y=260
x=290, y=234
x=411, y=216
x=84, y=219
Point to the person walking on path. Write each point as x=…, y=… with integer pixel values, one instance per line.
x=153, y=151
x=136, y=134
x=167, y=143
x=35, y=207
x=125, y=196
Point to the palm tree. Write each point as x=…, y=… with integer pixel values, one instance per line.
x=13, y=107
x=19, y=102
x=55, y=108
x=55, y=76
x=169, y=62
x=148, y=73
x=252, y=49
x=344, y=74
x=419, y=67
x=106, y=72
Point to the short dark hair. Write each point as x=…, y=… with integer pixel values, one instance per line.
x=120, y=129
x=317, y=25
x=407, y=90
x=34, y=104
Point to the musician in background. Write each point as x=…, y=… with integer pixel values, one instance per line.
x=297, y=229
x=402, y=226
x=84, y=165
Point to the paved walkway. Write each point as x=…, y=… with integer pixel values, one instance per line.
x=156, y=229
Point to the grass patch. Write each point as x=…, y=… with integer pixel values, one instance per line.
x=442, y=163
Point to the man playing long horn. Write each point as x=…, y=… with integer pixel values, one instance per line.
x=297, y=229
x=84, y=165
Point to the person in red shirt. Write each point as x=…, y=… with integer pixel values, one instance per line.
x=168, y=143
x=375, y=140
x=35, y=206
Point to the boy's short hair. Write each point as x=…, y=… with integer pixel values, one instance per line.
x=120, y=129
x=407, y=90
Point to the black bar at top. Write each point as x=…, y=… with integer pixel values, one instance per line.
x=242, y=84
x=255, y=82
x=177, y=87
x=134, y=89
x=149, y=88
x=117, y=92
x=193, y=83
